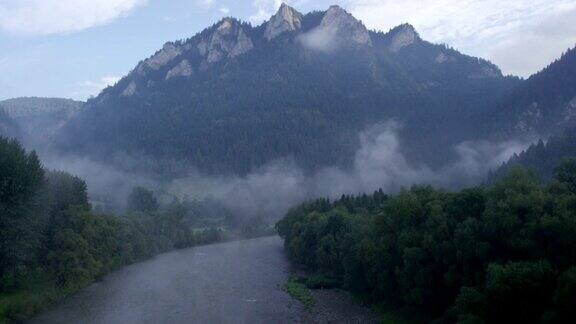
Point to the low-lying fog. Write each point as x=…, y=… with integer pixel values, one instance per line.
x=281, y=184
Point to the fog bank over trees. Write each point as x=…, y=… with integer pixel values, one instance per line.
x=272, y=189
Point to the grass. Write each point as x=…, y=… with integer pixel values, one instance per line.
x=299, y=292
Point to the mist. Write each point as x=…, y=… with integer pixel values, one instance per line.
x=107, y=186
x=321, y=39
x=271, y=190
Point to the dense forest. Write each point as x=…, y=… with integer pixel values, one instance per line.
x=500, y=254
x=52, y=243
x=542, y=157
x=8, y=126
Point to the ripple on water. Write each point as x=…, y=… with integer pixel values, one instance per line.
x=234, y=282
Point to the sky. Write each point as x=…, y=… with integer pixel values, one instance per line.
x=75, y=48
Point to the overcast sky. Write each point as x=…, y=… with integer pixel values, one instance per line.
x=74, y=48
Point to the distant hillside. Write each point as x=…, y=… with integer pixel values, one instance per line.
x=40, y=118
x=34, y=106
x=542, y=157
x=545, y=104
x=235, y=97
x=8, y=127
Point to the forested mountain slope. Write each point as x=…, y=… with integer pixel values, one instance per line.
x=40, y=118
x=542, y=157
x=8, y=127
x=545, y=104
x=235, y=97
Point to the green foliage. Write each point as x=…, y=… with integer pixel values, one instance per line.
x=71, y=260
x=565, y=296
x=566, y=173
x=21, y=173
x=544, y=158
x=518, y=291
x=20, y=306
x=142, y=200
x=319, y=281
x=22, y=218
x=504, y=253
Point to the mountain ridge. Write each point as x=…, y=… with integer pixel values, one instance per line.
x=38, y=118
x=231, y=91
x=543, y=105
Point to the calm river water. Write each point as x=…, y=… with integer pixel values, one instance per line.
x=235, y=282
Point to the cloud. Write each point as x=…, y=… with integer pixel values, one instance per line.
x=205, y=3
x=544, y=40
x=274, y=188
x=224, y=10
x=269, y=191
x=379, y=163
x=106, y=184
x=267, y=8
x=320, y=39
x=169, y=19
x=91, y=87
x=44, y=17
x=484, y=28
x=264, y=10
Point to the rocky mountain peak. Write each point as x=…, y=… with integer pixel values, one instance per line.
x=182, y=69
x=402, y=36
x=345, y=25
x=287, y=19
x=168, y=52
x=226, y=25
x=228, y=40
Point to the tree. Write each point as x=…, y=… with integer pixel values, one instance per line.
x=505, y=253
x=21, y=173
x=71, y=262
x=142, y=200
x=565, y=296
x=566, y=173
x=21, y=215
x=519, y=291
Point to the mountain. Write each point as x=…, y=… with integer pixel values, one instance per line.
x=545, y=104
x=235, y=97
x=8, y=127
x=40, y=118
x=542, y=157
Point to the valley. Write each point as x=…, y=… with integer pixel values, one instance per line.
x=287, y=166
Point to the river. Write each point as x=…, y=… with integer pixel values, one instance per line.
x=234, y=282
